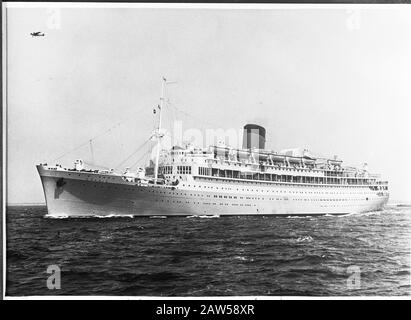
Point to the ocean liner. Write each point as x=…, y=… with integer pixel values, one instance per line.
x=217, y=180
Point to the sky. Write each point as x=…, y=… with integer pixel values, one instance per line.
x=334, y=81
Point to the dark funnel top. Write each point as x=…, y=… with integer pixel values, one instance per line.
x=253, y=137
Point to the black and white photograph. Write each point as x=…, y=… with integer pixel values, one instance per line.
x=175, y=150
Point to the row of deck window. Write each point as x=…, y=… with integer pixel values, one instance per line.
x=166, y=170
x=283, y=178
x=183, y=170
x=202, y=171
x=234, y=174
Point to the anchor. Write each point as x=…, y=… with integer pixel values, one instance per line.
x=60, y=182
x=59, y=188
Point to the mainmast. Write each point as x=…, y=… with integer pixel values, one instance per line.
x=159, y=135
x=159, y=129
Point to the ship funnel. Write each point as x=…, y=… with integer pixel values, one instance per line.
x=253, y=137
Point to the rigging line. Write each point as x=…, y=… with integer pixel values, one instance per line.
x=191, y=116
x=95, y=165
x=144, y=155
x=138, y=149
x=88, y=141
x=68, y=152
x=94, y=138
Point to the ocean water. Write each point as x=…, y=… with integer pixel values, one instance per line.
x=359, y=254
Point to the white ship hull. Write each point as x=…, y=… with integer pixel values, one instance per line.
x=82, y=194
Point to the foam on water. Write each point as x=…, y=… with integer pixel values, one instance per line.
x=209, y=216
x=60, y=216
x=109, y=216
x=94, y=216
x=298, y=217
x=305, y=239
x=371, y=213
x=203, y=216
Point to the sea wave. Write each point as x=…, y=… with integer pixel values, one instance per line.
x=250, y=255
x=204, y=216
x=62, y=216
x=113, y=216
x=298, y=217
x=371, y=213
x=98, y=216
x=242, y=258
x=347, y=215
x=305, y=239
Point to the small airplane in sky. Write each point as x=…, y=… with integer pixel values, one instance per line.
x=37, y=34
